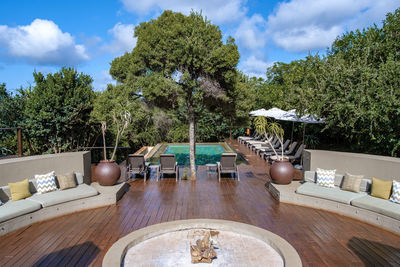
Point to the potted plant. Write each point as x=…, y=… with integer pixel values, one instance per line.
x=107, y=172
x=281, y=171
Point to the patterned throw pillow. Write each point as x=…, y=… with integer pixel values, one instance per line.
x=352, y=182
x=66, y=181
x=326, y=177
x=46, y=182
x=395, y=192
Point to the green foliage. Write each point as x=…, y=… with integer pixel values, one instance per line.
x=11, y=115
x=180, y=60
x=260, y=124
x=178, y=56
x=354, y=87
x=57, y=111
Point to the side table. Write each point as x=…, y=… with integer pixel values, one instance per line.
x=211, y=167
x=157, y=169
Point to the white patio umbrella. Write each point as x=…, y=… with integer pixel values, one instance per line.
x=272, y=113
x=307, y=118
x=258, y=112
x=289, y=115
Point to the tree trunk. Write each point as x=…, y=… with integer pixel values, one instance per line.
x=192, y=140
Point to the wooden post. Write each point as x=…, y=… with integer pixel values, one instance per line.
x=19, y=138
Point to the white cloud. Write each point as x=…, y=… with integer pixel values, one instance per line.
x=251, y=32
x=101, y=81
x=217, y=10
x=41, y=42
x=123, y=38
x=254, y=66
x=302, y=25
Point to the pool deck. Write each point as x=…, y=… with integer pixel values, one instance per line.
x=321, y=238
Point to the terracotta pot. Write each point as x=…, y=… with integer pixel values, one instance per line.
x=107, y=172
x=282, y=171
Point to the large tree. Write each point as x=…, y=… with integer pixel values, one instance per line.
x=179, y=60
x=57, y=111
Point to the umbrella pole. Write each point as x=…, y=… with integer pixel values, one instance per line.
x=304, y=133
x=291, y=138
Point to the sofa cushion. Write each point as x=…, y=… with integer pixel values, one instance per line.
x=61, y=196
x=326, y=177
x=66, y=181
x=378, y=205
x=352, y=182
x=19, y=190
x=381, y=188
x=365, y=185
x=311, y=176
x=5, y=193
x=12, y=209
x=46, y=182
x=332, y=193
x=395, y=192
x=79, y=178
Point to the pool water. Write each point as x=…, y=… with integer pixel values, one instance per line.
x=205, y=153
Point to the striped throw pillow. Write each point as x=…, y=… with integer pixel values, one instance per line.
x=46, y=182
x=395, y=192
x=326, y=177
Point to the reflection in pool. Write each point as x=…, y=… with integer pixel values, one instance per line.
x=205, y=153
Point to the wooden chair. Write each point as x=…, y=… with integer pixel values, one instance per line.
x=227, y=165
x=137, y=165
x=168, y=165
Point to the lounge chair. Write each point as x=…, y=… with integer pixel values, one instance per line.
x=256, y=139
x=137, y=165
x=259, y=150
x=249, y=144
x=227, y=165
x=297, y=156
x=241, y=139
x=266, y=155
x=265, y=144
x=168, y=165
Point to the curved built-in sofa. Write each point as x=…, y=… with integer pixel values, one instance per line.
x=38, y=207
x=362, y=205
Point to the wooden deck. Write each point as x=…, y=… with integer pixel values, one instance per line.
x=321, y=238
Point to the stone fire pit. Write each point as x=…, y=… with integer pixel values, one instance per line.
x=168, y=244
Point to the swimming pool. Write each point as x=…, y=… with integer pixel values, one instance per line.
x=205, y=153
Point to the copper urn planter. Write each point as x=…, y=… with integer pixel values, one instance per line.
x=282, y=171
x=107, y=172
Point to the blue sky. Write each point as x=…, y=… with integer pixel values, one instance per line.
x=45, y=35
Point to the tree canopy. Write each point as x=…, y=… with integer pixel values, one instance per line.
x=57, y=111
x=179, y=60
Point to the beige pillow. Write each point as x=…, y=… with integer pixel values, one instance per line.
x=66, y=181
x=352, y=182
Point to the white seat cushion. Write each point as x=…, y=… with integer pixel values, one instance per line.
x=61, y=196
x=12, y=209
x=330, y=193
